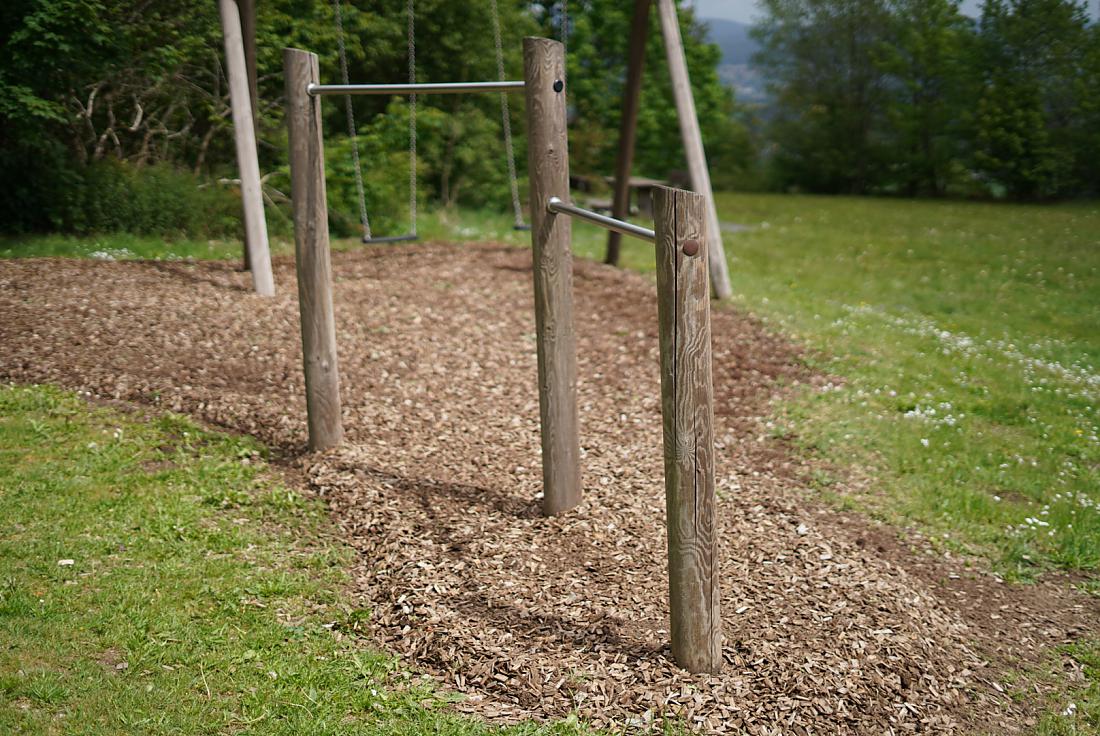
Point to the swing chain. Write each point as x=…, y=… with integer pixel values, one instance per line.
x=506, y=121
x=353, y=132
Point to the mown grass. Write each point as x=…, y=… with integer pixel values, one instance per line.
x=154, y=579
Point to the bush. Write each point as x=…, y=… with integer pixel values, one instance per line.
x=112, y=196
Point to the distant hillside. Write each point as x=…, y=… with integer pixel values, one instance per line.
x=733, y=38
x=736, y=68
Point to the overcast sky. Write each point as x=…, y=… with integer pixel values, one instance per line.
x=743, y=10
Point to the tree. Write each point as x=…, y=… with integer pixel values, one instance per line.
x=927, y=63
x=1032, y=56
x=599, y=33
x=824, y=62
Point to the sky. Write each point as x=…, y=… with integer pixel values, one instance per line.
x=744, y=10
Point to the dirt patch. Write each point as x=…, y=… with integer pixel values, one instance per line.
x=437, y=489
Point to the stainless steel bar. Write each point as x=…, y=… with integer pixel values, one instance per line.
x=441, y=88
x=559, y=207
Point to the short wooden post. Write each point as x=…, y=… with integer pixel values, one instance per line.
x=244, y=133
x=551, y=235
x=311, y=251
x=687, y=407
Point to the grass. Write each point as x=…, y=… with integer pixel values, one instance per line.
x=157, y=580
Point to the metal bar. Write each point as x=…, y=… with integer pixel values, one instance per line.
x=558, y=207
x=441, y=88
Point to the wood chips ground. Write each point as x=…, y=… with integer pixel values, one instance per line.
x=829, y=628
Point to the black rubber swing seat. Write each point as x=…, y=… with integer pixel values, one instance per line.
x=521, y=227
x=392, y=238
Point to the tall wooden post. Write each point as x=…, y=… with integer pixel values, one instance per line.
x=255, y=226
x=311, y=250
x=551, y=235
x=693, y=141
x=247, y=9
x=687, y=409
x=628, y=125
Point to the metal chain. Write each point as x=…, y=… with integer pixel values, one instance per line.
x=506, y=121
x=353, y=132
x=412, y=115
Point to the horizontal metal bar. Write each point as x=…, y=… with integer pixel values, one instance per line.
x=558, y=207
x=442, y=88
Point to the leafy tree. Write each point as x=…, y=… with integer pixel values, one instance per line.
x=598, y=41
x=824, y=60
x=1031, y=55
x=927, y=61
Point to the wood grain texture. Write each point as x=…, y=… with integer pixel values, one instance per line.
x=693, y=142
x=311, y=251
x=628, y=125
x=687, y=408
x=244, y=134
x=551, y=237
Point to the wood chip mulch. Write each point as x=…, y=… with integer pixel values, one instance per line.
x=437, y=488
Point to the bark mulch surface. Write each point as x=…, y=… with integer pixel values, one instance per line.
x=828, y=626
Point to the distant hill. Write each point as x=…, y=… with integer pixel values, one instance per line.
x=736, y=68
x=733, y=38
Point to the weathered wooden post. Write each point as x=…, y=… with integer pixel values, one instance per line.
x=311, y=250
x=693, y=141
x=687, y=408
x=551, y=235
x=244, y=133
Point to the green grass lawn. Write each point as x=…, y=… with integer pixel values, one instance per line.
x=965, y=337
x=155, y=579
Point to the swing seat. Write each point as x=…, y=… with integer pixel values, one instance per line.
x=391, y=238
x=523, y=228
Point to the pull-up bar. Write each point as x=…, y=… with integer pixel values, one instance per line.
x=441, y=88
x=558, y=207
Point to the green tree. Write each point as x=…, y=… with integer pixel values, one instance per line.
x=598, y=39
x=927, y=61
x=824, y=60
x=1033, y=57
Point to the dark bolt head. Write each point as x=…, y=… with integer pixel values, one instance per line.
x=691, y=247
x=559, y=86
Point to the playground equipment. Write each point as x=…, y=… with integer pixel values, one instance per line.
x=682, y=236
x=353, y=133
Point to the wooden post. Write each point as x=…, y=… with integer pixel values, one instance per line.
x=551, y=236
x=255, y=226
x=248, y=34
x=693, y=141
x=628, y=125
x=687, y=408
x=247, y=9
x=311, y=250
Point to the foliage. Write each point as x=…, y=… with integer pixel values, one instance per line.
x=910, y=96
x=113, y=196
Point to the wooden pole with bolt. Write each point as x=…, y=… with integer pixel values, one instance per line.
x=687, y=408
x=551, y=235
